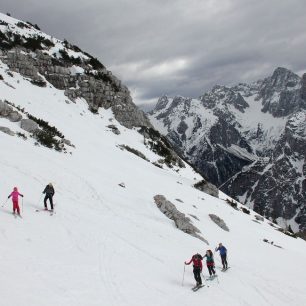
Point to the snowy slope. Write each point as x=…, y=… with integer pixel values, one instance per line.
x=112, y=246
x=108, y=245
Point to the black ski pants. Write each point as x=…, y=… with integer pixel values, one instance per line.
x=211, y=270
x=224, y=261
x=197, y=275
x=48, y=196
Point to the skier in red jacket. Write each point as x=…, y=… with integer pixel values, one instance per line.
x=14, y=194
x=197, y=267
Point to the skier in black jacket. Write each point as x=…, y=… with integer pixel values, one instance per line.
x=49, y=191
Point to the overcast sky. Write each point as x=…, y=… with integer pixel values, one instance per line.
x=177, y=47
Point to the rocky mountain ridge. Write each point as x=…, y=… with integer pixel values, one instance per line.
x=248, y=139
x=31, y=58
x=40, y=58
x=27, y=54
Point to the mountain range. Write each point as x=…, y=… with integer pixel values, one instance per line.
x=247, y=139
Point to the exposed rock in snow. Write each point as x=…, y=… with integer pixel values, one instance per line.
x=29, y=125
x=6, y=130
x=134, y=151
x=181, y=221
x=114, y=129
x=207, y=188
x=77, y=73
x=219, y=222
x=8, y=112
x=259, y=218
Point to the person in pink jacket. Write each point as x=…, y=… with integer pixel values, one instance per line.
x=14, y=194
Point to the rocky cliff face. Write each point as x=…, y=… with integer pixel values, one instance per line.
x=40, y=58
x=248, y=139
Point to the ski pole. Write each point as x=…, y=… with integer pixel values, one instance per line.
x=217, y=278
x=22, y=205
x=204, y=277
x=183, y=275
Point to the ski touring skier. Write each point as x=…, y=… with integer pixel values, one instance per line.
x=197, y=269
x=15, y=194
x=49, y=191
x=210, y=263
x=223, y=253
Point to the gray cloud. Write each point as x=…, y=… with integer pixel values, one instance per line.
x=177, y=47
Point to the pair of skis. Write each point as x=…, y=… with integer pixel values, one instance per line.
x=52, y=212
x=17, y=215
x=211, y=277
x=197, y=287
x=224, y=270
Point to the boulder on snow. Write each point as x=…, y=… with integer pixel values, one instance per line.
x=181, y=221
x=259, y=218
x=207, y=188
x=245, y=210
x=14, y=116
x=29, y=125
x=114, y=129
x=8, y=112
x=219, y=222
x=194, y=216
x=68, y=143
x=6, y=130
x=5, y=109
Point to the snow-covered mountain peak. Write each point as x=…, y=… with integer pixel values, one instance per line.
x=284, y=78
x=237, y=128
x=280, y=93
x=221, y=97
x=161, y=103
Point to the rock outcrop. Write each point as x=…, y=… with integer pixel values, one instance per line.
x=207, y=188
x=8, y=112
x=219, y=222
x=41, y=59
x=6, y=130
x=29, y=125
x=181, y=221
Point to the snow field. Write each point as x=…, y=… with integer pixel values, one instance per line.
x=108, y=245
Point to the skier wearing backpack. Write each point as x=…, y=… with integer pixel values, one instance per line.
x=14, y=194
x=210, y=263
x=223, y=253
x=197, y=268
x=49, y=191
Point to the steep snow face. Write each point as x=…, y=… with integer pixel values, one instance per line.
x=109, y=245
x=231, y=134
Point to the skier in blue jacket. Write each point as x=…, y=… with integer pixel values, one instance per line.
x=223, y=253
